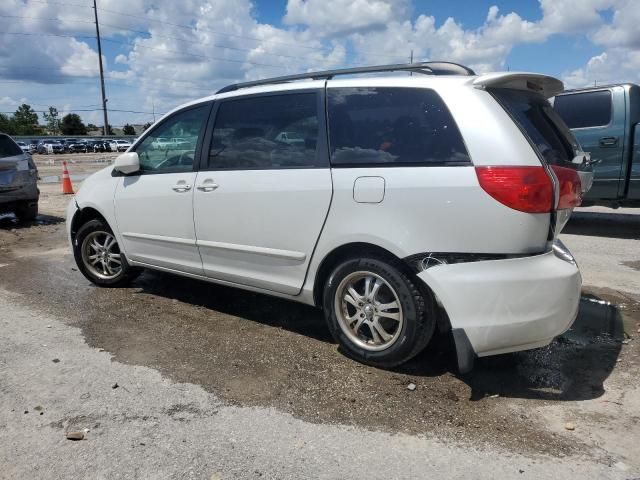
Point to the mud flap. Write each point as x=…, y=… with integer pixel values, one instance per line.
x=464, y=351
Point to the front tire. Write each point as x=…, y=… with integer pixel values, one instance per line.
x=377, y=312
x=28, y=211
x=99, y=258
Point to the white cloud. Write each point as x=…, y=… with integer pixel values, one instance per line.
x=82, y=61
x=341, y=17
x=620, y=39
x=205, y=44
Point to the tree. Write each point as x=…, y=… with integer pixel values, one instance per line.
x=146, y=126
x=128, y=130
x=91, y=126
x=26, y=121
x=6, y=125
x=72, y=125
x=51, y=117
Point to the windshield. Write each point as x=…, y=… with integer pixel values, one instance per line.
x=542, y=125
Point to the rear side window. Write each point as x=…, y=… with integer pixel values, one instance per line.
x=392, y=127
x=266, y=132
x=8, y=148
x=542, y=125
x=584, y=110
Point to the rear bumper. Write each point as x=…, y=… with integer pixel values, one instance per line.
x=18, y=194
x=509, y=305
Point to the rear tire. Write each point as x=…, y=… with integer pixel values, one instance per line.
x=27, y=212
x=99, y=258
x=389, y=322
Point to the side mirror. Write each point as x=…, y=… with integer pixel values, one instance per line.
x=127, y=163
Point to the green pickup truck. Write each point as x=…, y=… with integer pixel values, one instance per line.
x=606, y=122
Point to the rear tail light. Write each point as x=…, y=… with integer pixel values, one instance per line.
x=570, y=187
x=527, y=189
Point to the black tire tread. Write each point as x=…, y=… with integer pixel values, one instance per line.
x=421, y=298
x=129, y=273
x=27, y=211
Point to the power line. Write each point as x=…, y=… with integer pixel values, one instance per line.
x=215, y=32
x=112, y=78
x=132, y=44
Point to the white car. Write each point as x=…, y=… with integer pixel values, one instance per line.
x=24, y=147
x=413, y=203
x=120, y=145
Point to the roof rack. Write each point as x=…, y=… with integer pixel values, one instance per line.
x=427, y=68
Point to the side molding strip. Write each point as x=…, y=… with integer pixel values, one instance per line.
x=159, y=238
x=269, y=252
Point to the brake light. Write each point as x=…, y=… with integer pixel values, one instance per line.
x=570, y=187
x=527, y=189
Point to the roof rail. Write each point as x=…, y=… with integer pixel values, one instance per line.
x=427, y=68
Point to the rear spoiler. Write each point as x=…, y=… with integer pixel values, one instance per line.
x=533, y=82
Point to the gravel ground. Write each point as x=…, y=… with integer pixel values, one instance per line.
x=216, y=381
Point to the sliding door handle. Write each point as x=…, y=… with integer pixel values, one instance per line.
x=207, y=186
x=181, y=187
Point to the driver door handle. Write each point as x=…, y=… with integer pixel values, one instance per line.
x=181, y=187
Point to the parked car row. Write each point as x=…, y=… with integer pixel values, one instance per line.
x=72, y=145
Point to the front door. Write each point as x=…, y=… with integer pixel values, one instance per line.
x=154, y=207
x=260, y=203
x=598, y=124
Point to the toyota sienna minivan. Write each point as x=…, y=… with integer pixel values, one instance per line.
x=406, y=204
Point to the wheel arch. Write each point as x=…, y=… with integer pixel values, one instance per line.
x=358, y=249
x=344, y=252
x=84, y=215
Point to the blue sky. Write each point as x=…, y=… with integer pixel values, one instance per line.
x=160, y=53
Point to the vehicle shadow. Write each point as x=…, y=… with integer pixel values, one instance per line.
x=256, y=307
x=602, y=224
x=9, y=221
x=573, y=367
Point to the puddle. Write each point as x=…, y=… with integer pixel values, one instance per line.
x=56, y=178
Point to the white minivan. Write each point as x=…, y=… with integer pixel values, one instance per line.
x=405, y=204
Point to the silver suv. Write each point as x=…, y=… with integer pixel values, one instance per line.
x=405, y=203
x=18, y=180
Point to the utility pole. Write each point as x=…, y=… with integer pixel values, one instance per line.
x=105, y=130
x=411, y=61
x=153, y=107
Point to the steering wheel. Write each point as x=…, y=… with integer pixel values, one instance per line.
x=185, y=159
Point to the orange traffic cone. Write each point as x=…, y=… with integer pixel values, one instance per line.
x=66, y=180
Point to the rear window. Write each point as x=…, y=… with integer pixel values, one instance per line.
x=584, y=110
x=392, y=126
x=8, y=147
x=538, y=120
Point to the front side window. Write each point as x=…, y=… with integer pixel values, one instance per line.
x=171, y=147
x=392, y=126
x=266, y=132
x=584, y=110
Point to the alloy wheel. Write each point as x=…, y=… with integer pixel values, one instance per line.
x=101, y=255
x=368, y=310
